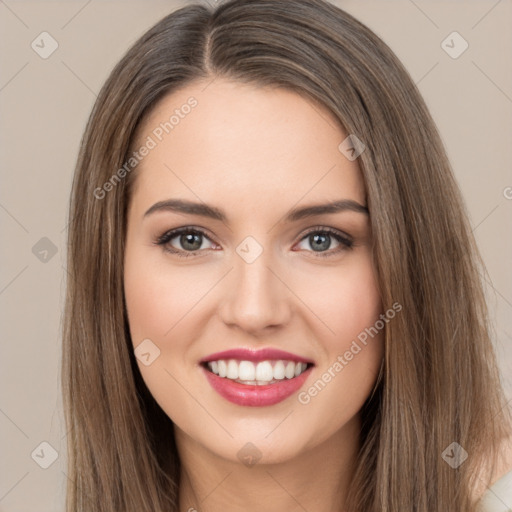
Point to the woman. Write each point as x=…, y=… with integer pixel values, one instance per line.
x=274, y=300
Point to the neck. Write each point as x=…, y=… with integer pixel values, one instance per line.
x=315, y=479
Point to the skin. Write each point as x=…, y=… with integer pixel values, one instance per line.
x=255, y=153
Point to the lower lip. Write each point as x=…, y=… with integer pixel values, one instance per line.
x=256, y=396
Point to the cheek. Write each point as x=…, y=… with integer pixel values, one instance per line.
x=353, y=346
x=346, y=300
x=348, y=303
x=360, y=305
x=159, y=297
x=158, y=300
x=352, y=355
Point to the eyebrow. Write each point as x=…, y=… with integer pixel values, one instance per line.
x=205, y=210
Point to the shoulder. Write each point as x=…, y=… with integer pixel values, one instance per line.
x=498, y=497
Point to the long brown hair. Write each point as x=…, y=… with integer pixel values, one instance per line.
x=440, y=382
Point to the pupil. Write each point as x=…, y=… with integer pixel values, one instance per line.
x=189, y=239
x=316, y=238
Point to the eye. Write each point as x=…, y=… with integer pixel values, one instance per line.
x=320, y=239
x=190, y=239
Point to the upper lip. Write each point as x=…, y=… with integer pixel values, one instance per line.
x=263, y=354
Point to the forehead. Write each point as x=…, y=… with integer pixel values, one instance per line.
x=230, y=141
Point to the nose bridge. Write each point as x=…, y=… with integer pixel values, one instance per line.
x=257, y=298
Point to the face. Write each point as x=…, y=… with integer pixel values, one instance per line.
x=222, y=255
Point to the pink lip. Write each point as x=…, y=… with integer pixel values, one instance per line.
x=255, y=396
x=264, y=354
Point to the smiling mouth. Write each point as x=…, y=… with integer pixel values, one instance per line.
x=261, y=373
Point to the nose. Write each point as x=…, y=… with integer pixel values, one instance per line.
x=256, y=298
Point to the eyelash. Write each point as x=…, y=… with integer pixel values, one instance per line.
x=165, y=238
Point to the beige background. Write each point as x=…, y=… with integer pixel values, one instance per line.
x=44, y=106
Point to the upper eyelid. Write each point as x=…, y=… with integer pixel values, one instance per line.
x=185, y=229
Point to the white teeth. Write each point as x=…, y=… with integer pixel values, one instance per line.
x=232, y=372
x=223, y=368
x=260, y=373
x=279, y=370
x=264, y=371
x=246, y=370
x=289, y=372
